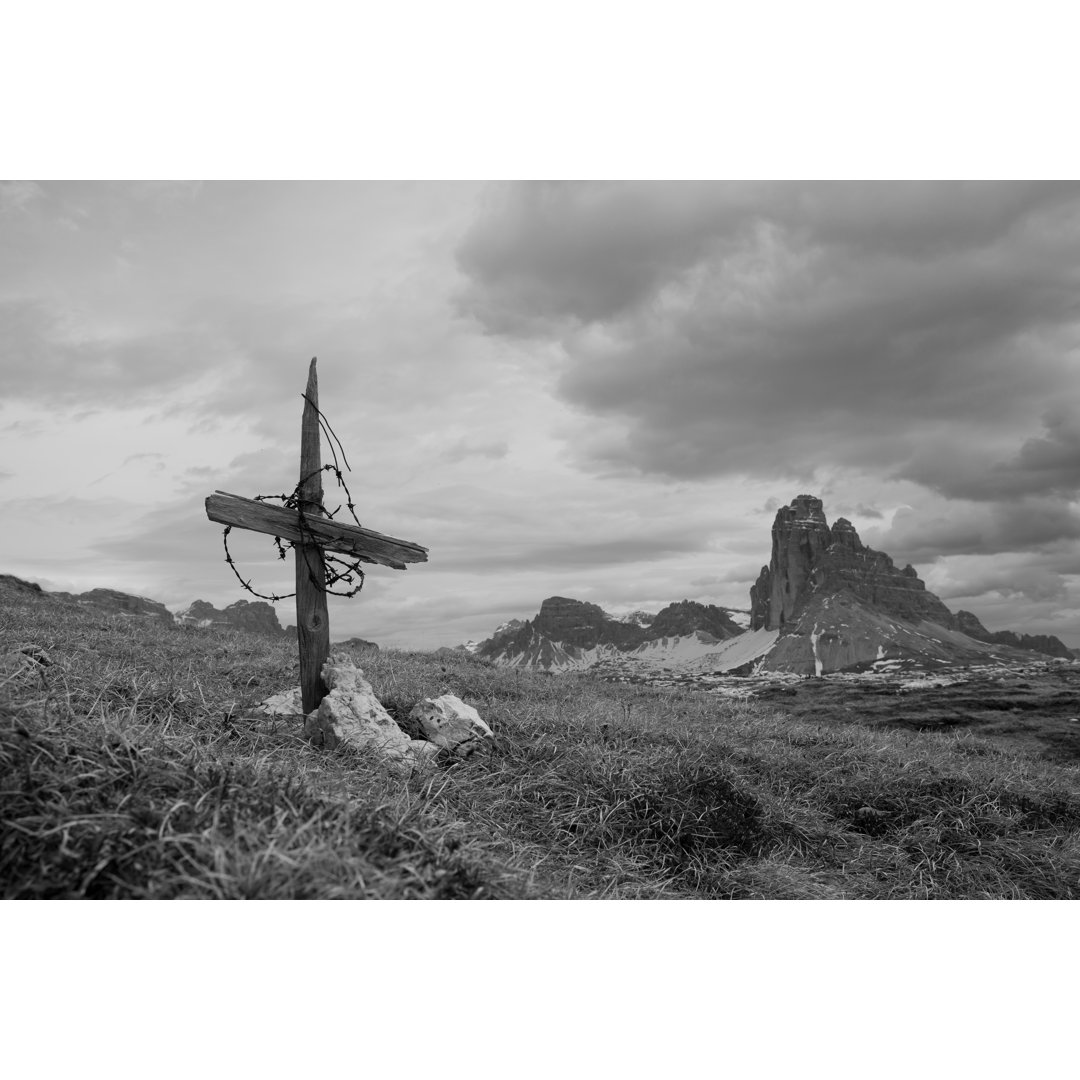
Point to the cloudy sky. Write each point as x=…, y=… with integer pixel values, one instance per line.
x=599, y=390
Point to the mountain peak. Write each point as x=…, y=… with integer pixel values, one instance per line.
x=837, y=604
x=809, y=557
x=569, y=633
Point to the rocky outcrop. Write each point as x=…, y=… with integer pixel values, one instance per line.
x=352, y=714
x=504, y=632
x=1043, y=643
x=114, y=602
x=255, y=616
x=809, y=557
x=95, y=601
x=11, y=583
x=574, y=634
x=582, y=625
x=800, y=538
x=643, y=619
x=838, y=605
x=834, y=632
x=359, y=644
x=562, y=627
x=451, y=725
x=688, y=617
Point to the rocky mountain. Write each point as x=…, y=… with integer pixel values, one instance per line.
x=810, y=558
x=835, y=604
x=105, y=601
x=635, y=618
x=825, y=603
x=256, y=616
x=568, y=634
x=114, y=602
x=12, y=584
x=359, y=644
x=689, y=617
x=1043, y=643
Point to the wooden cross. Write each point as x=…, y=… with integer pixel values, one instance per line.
x=319, y=534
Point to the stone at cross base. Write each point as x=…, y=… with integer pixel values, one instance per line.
x=452, y=725
x=352, y=714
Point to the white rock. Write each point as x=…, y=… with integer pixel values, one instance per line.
x=287, y=703
x=351, y=713
x=451, y=724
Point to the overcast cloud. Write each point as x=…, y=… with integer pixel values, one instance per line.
x=602, y=390
x=734, y=329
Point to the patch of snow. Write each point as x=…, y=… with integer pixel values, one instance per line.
x=735, y=652
x=634, y=618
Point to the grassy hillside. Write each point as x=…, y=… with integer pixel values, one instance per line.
x=129, y=767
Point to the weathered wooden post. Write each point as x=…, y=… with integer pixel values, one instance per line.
x=312, y=619
x=312, y=534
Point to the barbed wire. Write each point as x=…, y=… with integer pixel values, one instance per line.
x=294, y=501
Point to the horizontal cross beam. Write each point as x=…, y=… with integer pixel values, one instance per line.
x=360, y=543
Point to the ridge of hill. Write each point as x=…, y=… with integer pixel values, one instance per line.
x=569, y=634
x=839, y=605
x=1044, y=643
x=825, y=603
x=256, y=617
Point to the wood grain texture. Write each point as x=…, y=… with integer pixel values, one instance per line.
x=365, y=544
x=312, y=619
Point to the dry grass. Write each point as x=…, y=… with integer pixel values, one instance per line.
x=129, y=768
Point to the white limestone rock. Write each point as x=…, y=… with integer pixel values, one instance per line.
x=287, y=703
x=451, y=725
x=351, y=713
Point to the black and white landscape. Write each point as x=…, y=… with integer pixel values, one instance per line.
x=744, y=547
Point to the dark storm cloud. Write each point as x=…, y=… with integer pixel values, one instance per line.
x=770, y=329
x=1033, y=579
x=1030, y=524
x=1044, y=464
x=548, y=251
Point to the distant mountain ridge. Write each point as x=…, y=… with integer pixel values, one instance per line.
x=107, y=601
x=836, y=604
x=256, y=617
x=825, y=603
x=569, y=633
x=1044, y=643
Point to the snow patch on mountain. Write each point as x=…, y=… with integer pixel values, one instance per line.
x=643, y=619
x=738, y=651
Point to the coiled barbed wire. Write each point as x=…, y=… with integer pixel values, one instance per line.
x=350, y=568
